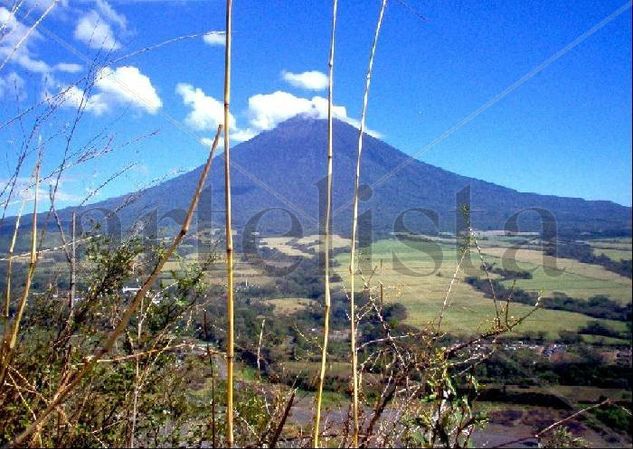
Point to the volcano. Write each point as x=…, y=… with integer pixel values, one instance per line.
x=278, y=187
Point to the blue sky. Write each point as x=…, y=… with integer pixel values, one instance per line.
x=566, y=130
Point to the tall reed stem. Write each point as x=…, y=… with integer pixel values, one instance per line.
x=7, y=302
x=89, y=362
x=327, y=232
x=352, y=262
x=12, y=330
x=229, y=229
x=73, y=261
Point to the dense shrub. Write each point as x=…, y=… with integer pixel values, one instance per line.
x=598, y=328
x=583, y=252
x=599, y=306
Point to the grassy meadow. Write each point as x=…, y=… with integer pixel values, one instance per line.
x=616, y=249
x=469, y=310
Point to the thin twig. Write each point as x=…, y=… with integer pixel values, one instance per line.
x=28, y=33
x=484, y=266
x=549, y=428
x=449, y=290
x=352, y=267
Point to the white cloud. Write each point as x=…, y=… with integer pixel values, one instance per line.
x=41, y=6
x=68, y=67
x=20, y=53
x=74, y=96
x=127, y=85
x=111, y=15
x=30, y=64
x=94, y=31
x=242, y=135
x=311, y=80
x=265, y=112
x=215, y=38
x=206, y=112
x=206, y=142
x=12, y=87
x=268, y=110
x=98, y=28
x=62, y=195
x=25, y=191
x=237, y=136
x=8, y=20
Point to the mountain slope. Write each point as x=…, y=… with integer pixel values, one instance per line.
x=282, y=168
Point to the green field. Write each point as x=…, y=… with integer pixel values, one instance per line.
x=576, y=279
x=418, y=276
x=616, y=249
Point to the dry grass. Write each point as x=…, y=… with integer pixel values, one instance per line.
x=288, y=306
x=303, y=247
x=287, y=245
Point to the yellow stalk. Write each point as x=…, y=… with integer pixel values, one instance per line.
x=7, y=302
x=327, y=233
x=352, y=262
x=11, y=336
x=73, y=261
x=229, y=234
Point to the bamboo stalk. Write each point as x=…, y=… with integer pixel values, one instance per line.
x=352, y=263
x=211, y=365
x=228, y=228
x=327, y=233
x=213, y=433
x=259, y=350
x=62, y=394
x=73, y=261
x=7, y=302
x=11, y=335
